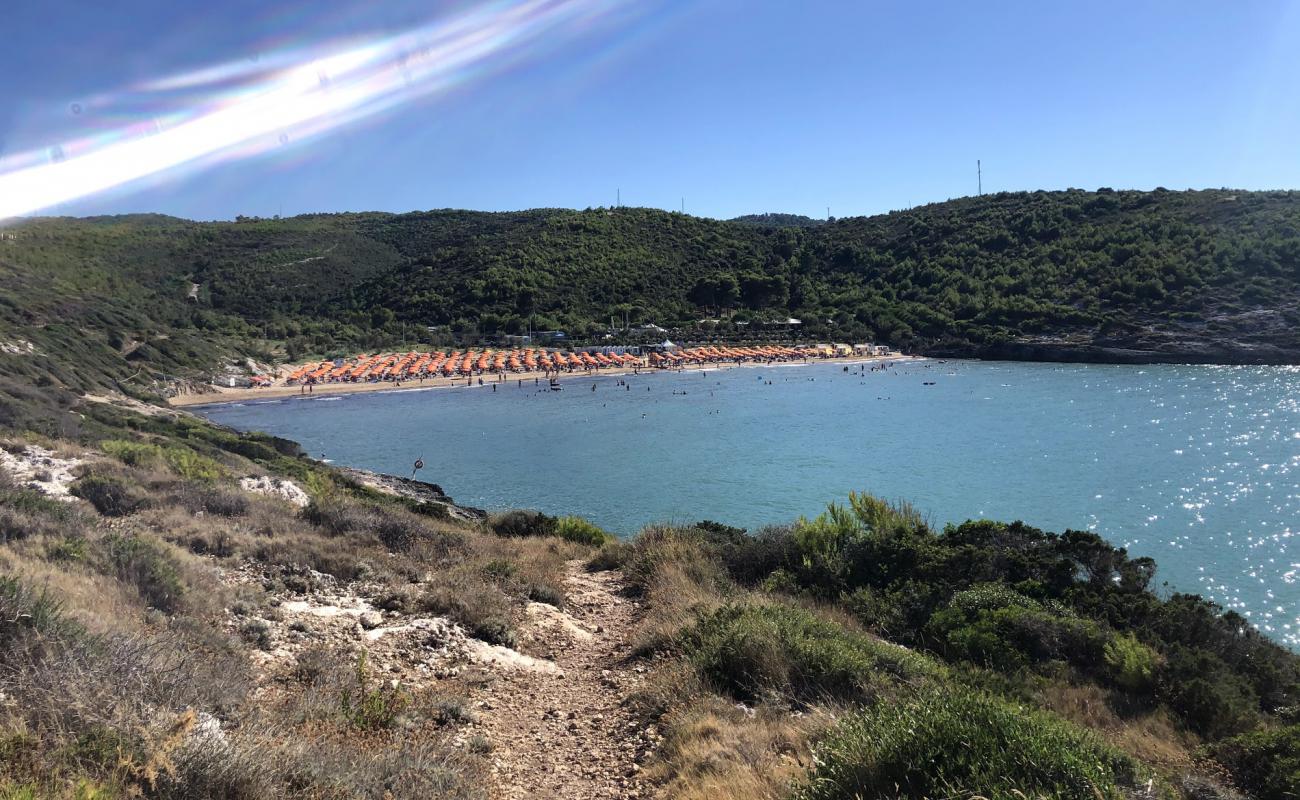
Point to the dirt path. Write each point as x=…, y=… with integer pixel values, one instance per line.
x=567, y=735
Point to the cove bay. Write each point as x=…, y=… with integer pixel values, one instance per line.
x=1195, y=466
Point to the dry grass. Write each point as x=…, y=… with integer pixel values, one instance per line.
x=122, y=695
x=99, y=603
x=538, y=564
x=676, y=598
x=714, y=750
x=1151, y=736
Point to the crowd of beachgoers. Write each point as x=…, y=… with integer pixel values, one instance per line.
x=397, y=367
x=483, y=366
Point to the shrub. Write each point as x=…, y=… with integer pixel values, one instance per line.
x=192, y=466
x=70, y=548
x=659, y=546
x=181, y=460
x=1131, y=665
x=26, y=612
x=336, y=517
x=146, y=565
x=1213, y=699
x=403, y=532
x=546, y=593
x=250, y=449
x=751, y=559
x=963, y=744
x=841, y=545
x=579, y=530
x=135, y=454
x=481, y=608
x=257, y=632
x=500, y=569
x=522, y=523
x=996, y=626
x=611, y=555
x=109, y=496
x=211, y=500
x=452, y=711
x=398, y=535
x=16, y=525
x=751, y=650
x=1265, y=763
x=371, y=707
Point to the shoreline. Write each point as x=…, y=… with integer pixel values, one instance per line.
x=280, y=392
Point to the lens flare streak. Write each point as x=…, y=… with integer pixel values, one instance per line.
x=239, y=110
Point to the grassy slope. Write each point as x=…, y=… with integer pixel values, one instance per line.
x=126, y=634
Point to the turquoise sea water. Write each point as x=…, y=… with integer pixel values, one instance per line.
x=1196, y=466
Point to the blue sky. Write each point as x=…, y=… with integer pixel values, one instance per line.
x=738, y=107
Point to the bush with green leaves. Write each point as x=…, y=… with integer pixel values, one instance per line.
x=131, y=453
x=520, y=522
x=579, y=530
x=960, y=743
x=110, y=496
x=752, y=651
x=996, y=626
x=192, y=466
x=852, y=545
x=1130, y=664
x=1010, y=596
x=26, y=513
x=369, y=704
x=1211, y=698
x=1265, y=762
x=145, y=564
x=181, y=460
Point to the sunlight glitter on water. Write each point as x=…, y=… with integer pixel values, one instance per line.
x=1194, y=466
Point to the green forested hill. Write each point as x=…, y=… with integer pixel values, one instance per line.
x=1106, y=275
x=778, y=220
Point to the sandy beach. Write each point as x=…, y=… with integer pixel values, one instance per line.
x=279, y=390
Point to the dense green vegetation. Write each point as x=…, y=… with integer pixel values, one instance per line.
x=953, y=744
x=1074, y=274
x=778, y=220
x=947, y=639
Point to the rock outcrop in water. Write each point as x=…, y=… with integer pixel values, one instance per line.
x=417, y=490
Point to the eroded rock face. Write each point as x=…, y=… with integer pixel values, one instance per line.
x=276, y=487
